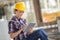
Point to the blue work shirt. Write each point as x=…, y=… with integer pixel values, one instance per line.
x=14, y=25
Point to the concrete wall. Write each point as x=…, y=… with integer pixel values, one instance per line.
x=4, y=30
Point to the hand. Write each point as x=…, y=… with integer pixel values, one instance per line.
x=23, y=27
x=30, y=31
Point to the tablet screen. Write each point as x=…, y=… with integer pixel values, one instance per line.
x=30, y=25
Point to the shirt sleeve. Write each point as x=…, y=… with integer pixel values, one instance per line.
x=10, y=27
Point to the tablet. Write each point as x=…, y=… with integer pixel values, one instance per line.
x=30, y=25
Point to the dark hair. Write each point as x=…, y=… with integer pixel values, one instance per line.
x=15, y=11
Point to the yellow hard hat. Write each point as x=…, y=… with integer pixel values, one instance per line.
x=20, y=6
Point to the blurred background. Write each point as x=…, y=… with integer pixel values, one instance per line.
x=45, y=13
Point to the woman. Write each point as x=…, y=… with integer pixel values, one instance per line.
x=17, y=26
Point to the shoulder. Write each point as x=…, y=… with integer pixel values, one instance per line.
x=23, y=19
x=12, y=20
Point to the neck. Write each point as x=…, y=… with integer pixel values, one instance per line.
x=18, y=17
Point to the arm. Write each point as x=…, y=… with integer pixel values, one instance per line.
x=13, y=35
x=12, y=32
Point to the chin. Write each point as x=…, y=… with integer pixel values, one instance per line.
x=20, y=16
